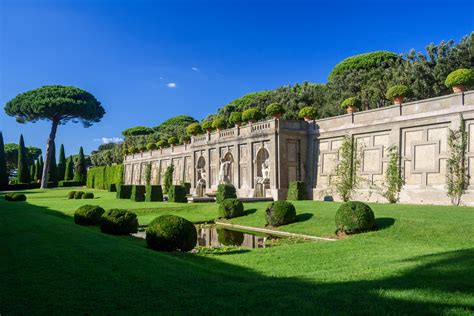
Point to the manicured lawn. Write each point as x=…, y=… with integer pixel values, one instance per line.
x=420, y=262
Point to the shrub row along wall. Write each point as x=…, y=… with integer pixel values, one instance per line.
x=102, y=177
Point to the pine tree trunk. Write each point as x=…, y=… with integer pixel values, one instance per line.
x=49, y=146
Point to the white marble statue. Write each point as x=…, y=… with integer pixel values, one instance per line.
x=201, y=176
x=224, y=171
x=265, y=169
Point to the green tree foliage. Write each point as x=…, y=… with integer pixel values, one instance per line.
x=11, y=155
x=137, y=131
x=23, y=172
x=37, y=175
x=39, y=171
x=347, y=180
x=393, y=182
x=53, y=168
x=32, y=172
x=457, y=173
x=168, y=179
x=3, y=165
x=69, y=172
x=80, y=168
x=61, y=163
x=460, y=77
x=102, y=177
x=58, y=104
x=174, y=127
x=107, y=155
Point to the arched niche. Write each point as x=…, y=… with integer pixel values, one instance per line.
x=262, y=156
x=201, y=170
x=229, y=157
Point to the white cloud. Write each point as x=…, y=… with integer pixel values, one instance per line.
x=171, y=85
x=107, y=140
x=195, y=69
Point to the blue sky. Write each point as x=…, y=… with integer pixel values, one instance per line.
x=149, y=60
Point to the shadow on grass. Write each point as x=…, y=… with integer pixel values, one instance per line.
x=303, y=217
x=384, y=222
x=250, y=211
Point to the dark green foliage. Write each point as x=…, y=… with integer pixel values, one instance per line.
x=280, y=213
x=187, y=187
x=153, y=193
x=162, y=143
x=177, y=193
x=460, y=77
x=132, y=150
x=352, y=101
x=170, y=232
x=399, y=90
x=23, y=172
x=3, y=165
x=61, y=163
x=151, y=146
x=80, y=168
x=297, y=191
x=138, y=193
x=32, y=172
x=53, y=168
x=88, y=215
x=107, y=155
x=39, y=170
x=274, y=109
x=64, y=184
x=71, y=195
x=219, y=123
x=235, y=118
x=174, y=127
x=308, y=112
x=230, y=208
x=230, y=237
x=123, y=191
x=88, y=195
x=184, y=139
x=207, y=125
x=102, y=177
x=173, y=140
x=137, y=130
x=168, y=179
x=112, y=187
x=78, y=195
x=354, y=217
x=22, y=186
x=11, y=156
x=118, y=222
x=15, y=197
x=225, y=191
x=194, y=129
x=252, y=114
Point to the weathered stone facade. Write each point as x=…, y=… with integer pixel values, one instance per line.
x=308, y=151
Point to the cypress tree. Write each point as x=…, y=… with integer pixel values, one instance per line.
x=32, y=171
x=3, y=165
x=53, y=168
x=23, y=172
x=80, y=170
x=39, y=170
x=69, y=173
x=61, y=163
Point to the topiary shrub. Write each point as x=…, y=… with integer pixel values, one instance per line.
x=230, y=237
x=297, y=191
x=162, y=143
x=118, y=222
x=308, y=113
x=354, y=217
x=274, y=109
x=123, y=191
x=225, y=191
x=151, y=146
x=280, y=213
x=88, y=215
x=184, y=139
x=177, y=193
x=15, y=197
x=65, y=184
x=112, y=187
x=173, y=140
x=78, y=195
x=351, y=102
x=235, y=118
x=460, y=77
x=153, y=193
x=398, y=90
x=170, y=232
x=71, y=195
x=219, y=123
x=194, y=129
x=138, y=193
x=207, y=125
x=251, y=115
x=88, y=195
x=230, y=208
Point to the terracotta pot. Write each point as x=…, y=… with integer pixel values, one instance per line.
x=277, y=116
x=237, y=124
x=307, y=119
x=251, y=121
x=209, y=130
x=398, y=99
x=351, y=109
x=459, y=89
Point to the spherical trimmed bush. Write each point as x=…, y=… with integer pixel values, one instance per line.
x=309, y=112
x=230, y=208
x=351, y=102
x=235, y=118
x=230, y=237
x=194, y=129
x=280, y=213
x=78, y=195
x=274, y=109
x=219, y=123
x=15, y=197
x=354, y=217
x=460, y=77
x=88, y=215
x=252, y=114
x=170, y=232
x=71, y=195
x=398, y=90
x=118, y=222
x=88, y=195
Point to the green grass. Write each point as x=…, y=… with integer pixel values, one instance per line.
x=420, y=262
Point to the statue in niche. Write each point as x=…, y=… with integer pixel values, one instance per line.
x=201, y=182
x=265, y=178
x=224, y=171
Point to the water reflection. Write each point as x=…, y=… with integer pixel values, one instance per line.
x=211, y=236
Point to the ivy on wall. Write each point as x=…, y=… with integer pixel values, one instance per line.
x=457, y=178
x=347, y=180
x=393, y=181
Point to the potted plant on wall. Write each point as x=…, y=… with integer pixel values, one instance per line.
x=162, y=143
x=397, y=93
x=173, y=140
x=251, y=115
x=151, y=146
x=235, y=118
x=185, y=139
x=207, y=125
x=351, y=104
x=308, y=113
x=459, y=79
x=275, y=110
x=219, y=123
x=194, y=129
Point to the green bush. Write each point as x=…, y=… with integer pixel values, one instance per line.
x=225, y=191
x=352, y=101
x=170, y=232
x=138, y=193
x=64, y=184
x=118, y=222
x=235, y=118
x=184, y=139
x=71, y=195
x=219, y=123
x=230, y=208
x=173, y=140
x=102, y=177
x=88, y=195
x=398, y=90
x=187, y=187
x=309, y=112
x=133, y=150
x=280, y=213
x=162, y=143
x=274, y=109
x=252, y=114
x=230, y=237
x=194, y=129
x=177, y=193
x=460, y=77
x=151, y=146
x=153, y=193
x=207, y=125
x=354, y=217
x=88, y=215
x=124, y=191
x=15, y=197
x=78, y=195
x=112, y=187
x=297, y=191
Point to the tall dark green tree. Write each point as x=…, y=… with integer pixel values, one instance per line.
x=37, y=175
x=23, y=172
x=61, y=163
x=80, y=169
x=39, y=171
x=53, y=167
x=32, y=172
x=58, y=104
x=69, y=173
x=3, y=165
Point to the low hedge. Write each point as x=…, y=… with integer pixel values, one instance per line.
x=78, y=195
x=118, y=222
x=297, y=191
x=71, y=195
x=354, y=217
x=170, y=232
x=22, y=186
x=15, y=197
x=112, y=187
x=230, y=237
x=177, y=193
x=123, y=191
x=138, y=193
x=280, y=213
x=88, y=215
x=230, y=208
x=225, y=191
x=64, y=184
x=88, y=195
x=154, y=193
x=187, y=187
